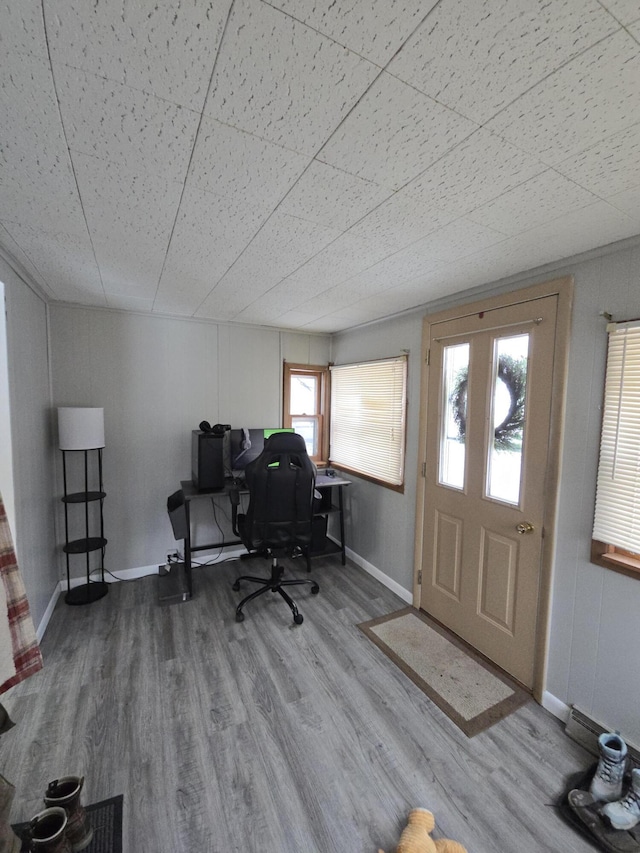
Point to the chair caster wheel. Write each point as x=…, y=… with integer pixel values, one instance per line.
x=236, y=586
x=315, y=589
x=298, y=619
x=240, y=617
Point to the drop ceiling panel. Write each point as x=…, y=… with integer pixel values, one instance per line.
x=607, y=167
x=141, y=46
x=479, y=57
x=375, y=29
x=592, y=97
x=332, y=197
x=22, y=28
x=477, y=171
x=628, y=202
x=65, y=258
x=281, y=246
x=282, y=80
x=626, y=11
x=456, y=241
x=114, y=122
x=394, y=133
x=231, y=162
x=541, y=199
x=400, y=221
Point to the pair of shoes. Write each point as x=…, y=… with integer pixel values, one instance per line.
x=62, y=827
x=606, y=786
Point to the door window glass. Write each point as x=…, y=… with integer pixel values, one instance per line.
x=508, y=415
x=454, y=415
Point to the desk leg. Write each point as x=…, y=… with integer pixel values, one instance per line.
x=187, y=550
x=341, y=515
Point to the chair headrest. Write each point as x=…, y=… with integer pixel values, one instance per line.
x=280, y=442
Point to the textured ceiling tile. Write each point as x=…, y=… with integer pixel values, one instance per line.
x=114, y=122
x=394, y=133
x=32, y=137
x=332, y=197
x=65, y=261
x=608, y=167
x=133, y=268
x=575, y=232
x=479, y=57
x=282, y=80
x=400, y=221
x=457, y=240
x=375, y=29
x=15, y=251
x=626, y=11
x=281, y=246
x=582, y=104
x=180, y=292
x=43, y=199
x=540, y=199
x=627, y=201
x=212, y=231
x=231, y=162
x=166, y=49
x=478, y=170
x=121, y=202
x=22, y=28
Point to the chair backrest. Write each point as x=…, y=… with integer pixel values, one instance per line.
x=281, y=483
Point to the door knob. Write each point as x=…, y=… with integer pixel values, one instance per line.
x=524, y=527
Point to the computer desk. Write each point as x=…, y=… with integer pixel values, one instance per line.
x=325, y=484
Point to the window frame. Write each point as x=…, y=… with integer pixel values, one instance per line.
x=605, y=554
x=402, y=445
x=321, y=372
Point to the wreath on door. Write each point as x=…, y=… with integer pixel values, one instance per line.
x=513, y=373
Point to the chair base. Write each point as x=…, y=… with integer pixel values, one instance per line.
x=274, y=584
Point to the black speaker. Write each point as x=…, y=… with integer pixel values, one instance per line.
x=207, y=460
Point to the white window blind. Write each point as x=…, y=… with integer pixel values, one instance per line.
x=368, y=415
x=617, y=516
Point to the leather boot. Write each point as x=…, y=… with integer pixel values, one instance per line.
x=65, y=792
x=9, y=841
x=47, y=832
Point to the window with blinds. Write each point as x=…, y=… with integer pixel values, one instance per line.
x=368, y=419
x=617, y=514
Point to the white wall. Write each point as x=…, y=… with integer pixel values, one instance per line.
x=32, y=440
x=157, y=379
x=593, y=659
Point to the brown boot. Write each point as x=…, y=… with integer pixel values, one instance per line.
x=47, y=832
x=9, y=841
x=65, y=792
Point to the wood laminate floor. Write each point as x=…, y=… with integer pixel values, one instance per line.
x=265, y=737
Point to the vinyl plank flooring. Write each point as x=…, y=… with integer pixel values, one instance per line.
x=266, y=737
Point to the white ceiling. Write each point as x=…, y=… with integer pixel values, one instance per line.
x=311, y=164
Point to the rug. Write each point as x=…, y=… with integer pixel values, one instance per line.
x=471, y=692
x=105, y=818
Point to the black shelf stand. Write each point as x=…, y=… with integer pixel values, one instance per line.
x=91, y=590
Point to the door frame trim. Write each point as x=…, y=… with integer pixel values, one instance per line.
x=563, y=289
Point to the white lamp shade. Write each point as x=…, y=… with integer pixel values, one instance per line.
x=80, y=428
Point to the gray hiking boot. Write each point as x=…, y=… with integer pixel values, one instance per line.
x=607, y=781
x=625, y=814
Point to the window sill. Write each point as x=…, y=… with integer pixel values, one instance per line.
x=606, y=556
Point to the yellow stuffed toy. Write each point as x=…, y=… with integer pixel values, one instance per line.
x=416, y=836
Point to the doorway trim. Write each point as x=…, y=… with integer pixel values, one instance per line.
x=563, y=289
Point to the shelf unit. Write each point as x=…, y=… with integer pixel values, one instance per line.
x=326, y=485
x=91, y=590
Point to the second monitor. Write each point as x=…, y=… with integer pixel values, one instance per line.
x=245, y=445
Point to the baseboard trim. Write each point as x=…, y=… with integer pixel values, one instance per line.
x=405, y=594
x=555, y=706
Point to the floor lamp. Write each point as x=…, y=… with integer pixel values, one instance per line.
x=82, y=430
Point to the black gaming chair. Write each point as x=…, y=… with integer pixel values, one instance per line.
x=281, y=484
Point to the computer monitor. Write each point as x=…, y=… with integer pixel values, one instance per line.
x=246, y=444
